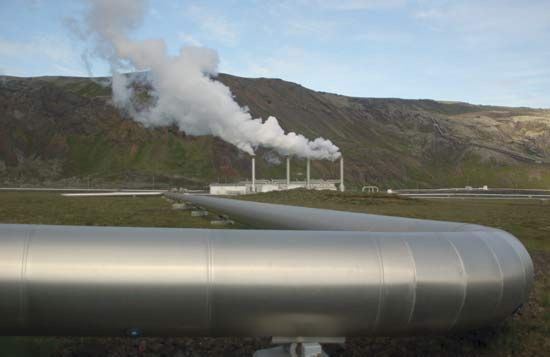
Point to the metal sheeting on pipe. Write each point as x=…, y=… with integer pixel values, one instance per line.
x=264, y=215
x=293, y=217
x=62, y=280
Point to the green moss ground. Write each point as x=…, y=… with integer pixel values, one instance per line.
x=52, y=208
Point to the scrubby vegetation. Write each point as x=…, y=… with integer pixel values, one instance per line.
x=61, y=128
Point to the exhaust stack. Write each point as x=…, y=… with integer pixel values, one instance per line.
x=308, y=186
x=288, y=171
x=253, y=173
x=342, y=188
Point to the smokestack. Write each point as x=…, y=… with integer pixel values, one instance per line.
x=253, y=173
x=307, y=173
x=342, y=188
x=288, y=171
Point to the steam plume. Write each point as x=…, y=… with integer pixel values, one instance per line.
x=183, y=86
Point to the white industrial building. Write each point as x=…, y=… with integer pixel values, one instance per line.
x=253, y=186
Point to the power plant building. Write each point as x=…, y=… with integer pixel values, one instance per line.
x=256, y=186
x=245, y=187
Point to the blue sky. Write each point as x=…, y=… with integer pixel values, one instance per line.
x=486, y=52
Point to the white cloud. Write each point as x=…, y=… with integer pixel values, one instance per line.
x=287, y=61
x=213, y=26
x=189, y=40
x=11, y=49
x=51, y=48
x=34, y=4
x=305, y=27
x=69, y=71
x=351, y=5
x=154, y=12
x=55, y=52
x=484, y=21
x=303, y=67
x=383, y=36
x=506, y=43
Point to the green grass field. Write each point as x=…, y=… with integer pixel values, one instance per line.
x=529, y=220
x=52, y=208
x=526, y=334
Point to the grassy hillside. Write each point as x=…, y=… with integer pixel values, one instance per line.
x=65, y=130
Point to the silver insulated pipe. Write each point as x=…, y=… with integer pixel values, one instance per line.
x=325, y=274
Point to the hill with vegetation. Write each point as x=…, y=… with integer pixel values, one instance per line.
x=65, y=130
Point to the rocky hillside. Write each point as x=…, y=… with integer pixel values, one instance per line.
x=65, y=130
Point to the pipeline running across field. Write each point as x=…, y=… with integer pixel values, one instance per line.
x=313, y=273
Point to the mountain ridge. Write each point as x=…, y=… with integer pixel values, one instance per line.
x=54, y=129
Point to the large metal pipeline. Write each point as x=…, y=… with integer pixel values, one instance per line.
x=62, y=280
x=424, y=277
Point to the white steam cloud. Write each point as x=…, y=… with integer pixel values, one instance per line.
x=183, y=86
